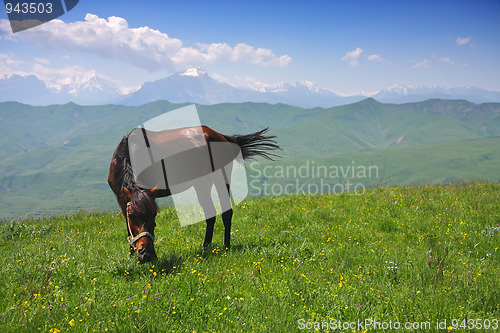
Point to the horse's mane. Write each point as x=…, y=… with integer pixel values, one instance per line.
x=142, y=200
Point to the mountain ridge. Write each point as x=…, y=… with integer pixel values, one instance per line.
x=195, y=85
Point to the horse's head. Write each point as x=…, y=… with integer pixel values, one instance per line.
x=141, y=212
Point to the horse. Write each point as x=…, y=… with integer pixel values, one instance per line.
x=137, y=200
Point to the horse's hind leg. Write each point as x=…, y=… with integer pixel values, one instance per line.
x=226, y=219
x=227, y=215
x=205, y=200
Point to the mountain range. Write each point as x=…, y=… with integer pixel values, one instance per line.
x=195, y=85
x=88, y=89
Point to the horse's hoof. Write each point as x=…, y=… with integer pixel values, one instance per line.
x=206, y=246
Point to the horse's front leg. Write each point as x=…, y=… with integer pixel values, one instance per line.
x=227, y=215
x=205, y=200
x=209, y=232
x=226, y=219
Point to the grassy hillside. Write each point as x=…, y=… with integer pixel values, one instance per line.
x=437, y=163
x=302, y=132
x=410, y=254
x=54, y=159
x=42, y=194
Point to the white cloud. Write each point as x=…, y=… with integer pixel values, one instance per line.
x=41, y=68
x=247, y=82
x=375, y=57
x=463, y=40
x=44, y=61
x=422, y=64
x=253, y=83
x=435, y=59
x=5, y=27
x=142, y=47
x=48, y=73
x=222, y=52
x=56, y=77
x=353, y=57
x=10, y=65
x=10, y=60
x=446, y=60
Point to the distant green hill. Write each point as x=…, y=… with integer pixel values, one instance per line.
x=55, y=158
x=436, y=163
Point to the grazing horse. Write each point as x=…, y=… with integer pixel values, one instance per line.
x=137, y=201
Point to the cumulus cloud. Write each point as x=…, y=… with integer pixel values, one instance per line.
x=353, y=57
x=463, y=40
x=222, y=52
x=9, y=65
x=375, y=57
x=143, y=47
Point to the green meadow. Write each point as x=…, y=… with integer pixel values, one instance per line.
x=426, y=256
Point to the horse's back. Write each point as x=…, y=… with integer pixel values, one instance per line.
x=170, y=158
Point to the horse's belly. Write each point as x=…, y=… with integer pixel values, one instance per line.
x=177, y=169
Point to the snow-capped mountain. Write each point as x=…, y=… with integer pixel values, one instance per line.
x=193, y=85
x=26, y=89
x=194, y=71
x=294, y=85
x=196, y=86
x=306, y=94
x=85, y=89
x=399, y=93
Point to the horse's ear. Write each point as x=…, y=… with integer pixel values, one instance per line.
x=153, y=190
x=126, y=192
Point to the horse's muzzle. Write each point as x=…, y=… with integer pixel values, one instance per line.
x=146, y=255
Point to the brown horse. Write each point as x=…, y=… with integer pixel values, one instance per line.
x=137, y=201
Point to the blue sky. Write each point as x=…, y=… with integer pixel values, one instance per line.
x=347, y=46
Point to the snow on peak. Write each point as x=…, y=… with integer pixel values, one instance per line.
x=87, y=83
x=399, y=88
x=195, y=71
x=292, y=85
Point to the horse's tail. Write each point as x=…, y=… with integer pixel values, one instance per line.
x=256, y=144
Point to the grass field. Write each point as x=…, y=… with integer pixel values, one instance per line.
x=413, y=255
